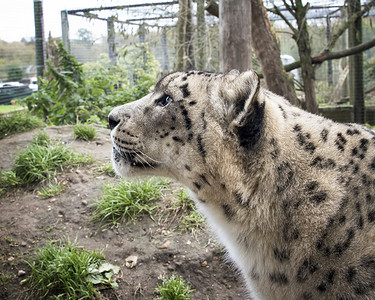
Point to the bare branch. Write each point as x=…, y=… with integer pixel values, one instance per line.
x=277, y=11
x=341, y=29
x=321, y=57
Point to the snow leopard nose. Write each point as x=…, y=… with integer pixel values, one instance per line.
x=112, y=122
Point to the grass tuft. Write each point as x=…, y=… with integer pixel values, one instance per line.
x=84, y=132
x=68, y=272
x=125, y=200
x=43, y=159
x=106, y=169
x=51, y=190
x=174, y=288
x=18, y=122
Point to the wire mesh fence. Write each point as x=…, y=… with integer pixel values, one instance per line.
x=120, y=35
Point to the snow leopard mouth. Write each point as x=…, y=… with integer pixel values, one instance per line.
x=133, y=159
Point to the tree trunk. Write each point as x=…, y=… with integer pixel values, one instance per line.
x=189, y=45
x=181, y=35
x=267, y=50
x=356, y=91
x=201, y=34
x=304, y=51
x=235, y=35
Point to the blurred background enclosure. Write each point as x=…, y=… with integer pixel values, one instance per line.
x=127, y=47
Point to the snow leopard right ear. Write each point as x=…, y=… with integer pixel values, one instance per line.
x=245, y=112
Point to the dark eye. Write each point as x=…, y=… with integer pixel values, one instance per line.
x=164, y=100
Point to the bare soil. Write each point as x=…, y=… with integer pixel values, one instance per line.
x=27, y=221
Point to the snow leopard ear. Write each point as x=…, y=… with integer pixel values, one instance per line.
x=246, y=112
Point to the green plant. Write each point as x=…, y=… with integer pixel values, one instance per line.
x=43, y=159
x=106, y=169
x=51, y=190
x=84, y=132
x=18, y=122
x=174, y=288
x=8, y=179
x=192, y=222
x=66, y=271
x=126, y=200
x=41, y=139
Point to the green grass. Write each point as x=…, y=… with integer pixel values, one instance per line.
x=125, y=200
x=51, y=190
x=9, y=108
x=174, y=288
x=18, y=122
x=84, y=132
x=8, y=179
x=66, y=271
x=43, y=159
x=106, y=169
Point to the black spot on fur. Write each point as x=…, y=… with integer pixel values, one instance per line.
x=281, y=255
x=340, y=248
x=307, y=296
x=352, y=132
x=307, y=268
x=285, y=176
x=330, y=276
x=297, y=127
x=185, y=90
x=282, y=111
x=204, y=179
x=322, y=287
x=187, y=168
x=251, y=129
x=184, y=78
x=185, y=114
x=340, y=142
x=197, y=185
x=371, y=166
x=177, y=139
x=303, y=141
x=191, y=103
x=279, y=278
x=228, y=211
x=371, y=216
x=324, y=135
x=201, y=148
x=190, y=137
x=315, y=194
x=323, y=163
x=254, y=274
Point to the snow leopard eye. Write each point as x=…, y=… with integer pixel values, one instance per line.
x=164, y=100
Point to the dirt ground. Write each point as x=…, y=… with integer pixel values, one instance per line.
x=27, y=221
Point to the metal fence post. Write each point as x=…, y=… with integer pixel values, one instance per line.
x=40, y=48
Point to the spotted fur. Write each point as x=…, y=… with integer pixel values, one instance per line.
x=291, y=195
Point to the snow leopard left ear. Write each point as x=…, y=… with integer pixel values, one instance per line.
x=247, y=111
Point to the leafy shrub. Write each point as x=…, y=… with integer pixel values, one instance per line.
x=74, y=93
x=14, y=73
x=68, y=272
x=18, y=122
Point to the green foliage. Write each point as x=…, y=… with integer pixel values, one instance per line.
x=126, y=200
x=83, y=132
x=74, y=93
x=369, y=72
x=8, y=179
x=51, y=190
x=174, y=288
x=68, y=272
x=18, y=122
x=14, y=73
x=43, y=159
x=106, y=169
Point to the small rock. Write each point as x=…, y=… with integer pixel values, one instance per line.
x=188, y=242
x=204, y=264
x=21, y=273
x=11, y=258
x=23, y=244
x=84, y=202
x=165, y=245
x=131, y=261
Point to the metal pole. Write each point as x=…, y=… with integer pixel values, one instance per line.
x=40, y=48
